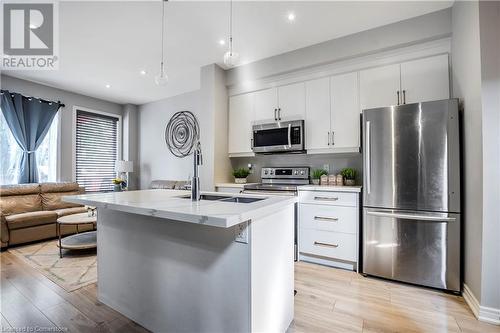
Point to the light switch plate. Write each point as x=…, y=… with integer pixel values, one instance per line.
x=241, y=232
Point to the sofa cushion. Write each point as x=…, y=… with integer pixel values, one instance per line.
x=59, y=187
x=24, y=220
x=69, y=211
x=52, y=201
x=19, y=189
x=16, y=204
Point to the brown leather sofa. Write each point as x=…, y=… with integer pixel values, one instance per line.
x=29, y=211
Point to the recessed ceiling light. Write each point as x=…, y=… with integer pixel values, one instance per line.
x=108, y=86
x=291, y=17
x=222, y=42
x=143, y=72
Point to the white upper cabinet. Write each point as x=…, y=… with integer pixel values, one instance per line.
x=292, y=101
x=345, y=111
x=379, y=86
x=425, y=79
x=266, y=104
x=318, y=114
x=241, y=116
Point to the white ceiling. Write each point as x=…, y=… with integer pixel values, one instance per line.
x=111, y=42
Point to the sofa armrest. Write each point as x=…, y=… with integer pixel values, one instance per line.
x=4, y=230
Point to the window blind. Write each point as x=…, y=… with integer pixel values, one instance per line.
x=96, y=150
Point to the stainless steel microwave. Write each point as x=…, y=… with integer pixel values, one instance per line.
x=281, y=136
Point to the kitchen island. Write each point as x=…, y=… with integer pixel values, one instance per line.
x=223, y=264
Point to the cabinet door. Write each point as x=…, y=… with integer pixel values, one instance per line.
x=292, y=101
x=425, y=79
x=345, y=111
x=379, y=86
x=265, y=103
x=241, y=116
x=317, y=114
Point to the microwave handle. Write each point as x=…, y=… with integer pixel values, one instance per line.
x=289, y=136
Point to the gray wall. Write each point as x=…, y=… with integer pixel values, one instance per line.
x=156, y=161
x=69, y=99
x=466, y=71
x=416, y=30
x=335, y=162
x=489, y=27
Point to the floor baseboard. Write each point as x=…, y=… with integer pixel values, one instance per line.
x=482, y=313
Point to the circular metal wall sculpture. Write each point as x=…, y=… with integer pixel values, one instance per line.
x=182, y=133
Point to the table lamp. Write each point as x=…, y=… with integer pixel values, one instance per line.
x=124, y=167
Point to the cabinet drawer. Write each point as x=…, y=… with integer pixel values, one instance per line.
x=328, y=244
x=329, y=198
x=328, y=218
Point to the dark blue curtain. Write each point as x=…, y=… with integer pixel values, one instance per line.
x=29, y=120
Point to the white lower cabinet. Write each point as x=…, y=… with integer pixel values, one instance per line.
x=328, y=228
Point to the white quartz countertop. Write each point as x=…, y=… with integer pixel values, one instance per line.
x=329, y=188
x=232, y=185
x=169, y=204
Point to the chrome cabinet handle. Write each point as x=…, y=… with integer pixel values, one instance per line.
x=326, y=244
x=275, y=118
x=367, y=158
x=279, y=113
x=251, y=143
x=326, y=198
x=326, y=218
x=397, y=93
x=409, y=216
x=333, y=138
x=404, y=96
x=289, y=135
x=328, y=137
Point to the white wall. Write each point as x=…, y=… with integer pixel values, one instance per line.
x=70, y=99
x=466, y=71
x=413, y=31
x=130, y=141
x=155, y=160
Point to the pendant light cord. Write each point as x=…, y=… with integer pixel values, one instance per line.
x=231, y=27
x=162, y=32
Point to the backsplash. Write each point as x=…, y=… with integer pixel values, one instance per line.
x=336, y=162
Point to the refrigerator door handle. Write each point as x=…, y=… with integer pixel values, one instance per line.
x=368, y=157
x=409, y=216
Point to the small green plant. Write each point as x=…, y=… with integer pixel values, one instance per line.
x=241, y=172
x=316, y=174
x=348, y=173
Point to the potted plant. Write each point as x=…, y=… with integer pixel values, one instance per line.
x=316, y=175
x=349, y=175
x=119, y=184
x=240, y=175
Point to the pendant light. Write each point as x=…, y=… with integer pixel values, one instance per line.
x=161, y=79
x=231, y=57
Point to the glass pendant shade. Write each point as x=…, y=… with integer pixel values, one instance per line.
x=162, y=78
x=231, y=58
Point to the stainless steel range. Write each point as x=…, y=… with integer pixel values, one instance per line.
x=281, y=181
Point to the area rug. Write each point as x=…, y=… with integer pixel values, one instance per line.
x=74, y=270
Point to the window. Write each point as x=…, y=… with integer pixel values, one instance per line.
x=96, y=150
x=10, y=154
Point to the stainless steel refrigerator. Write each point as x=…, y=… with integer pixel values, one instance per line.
x=411, y=197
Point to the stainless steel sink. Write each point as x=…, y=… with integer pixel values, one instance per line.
x=225, y=198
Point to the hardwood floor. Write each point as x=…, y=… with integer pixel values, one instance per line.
x=327, y=300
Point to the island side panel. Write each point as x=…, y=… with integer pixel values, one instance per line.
x=171, y=276
x=272, y=271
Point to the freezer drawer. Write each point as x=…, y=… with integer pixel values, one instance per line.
x=416, y=247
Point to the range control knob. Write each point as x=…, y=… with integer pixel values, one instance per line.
x=265, y=172
x=296, y=172
x=272, y=171
x=301, y=172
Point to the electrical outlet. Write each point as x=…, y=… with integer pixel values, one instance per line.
x=326, y=167
x=241, y=232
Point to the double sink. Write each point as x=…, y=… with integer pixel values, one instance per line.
x=224, y=198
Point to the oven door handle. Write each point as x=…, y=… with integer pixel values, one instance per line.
x=289, y=136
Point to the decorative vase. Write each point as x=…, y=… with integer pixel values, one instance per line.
x=118, y=187
x=315, y=181
x=350, y=182
x=240, y=180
